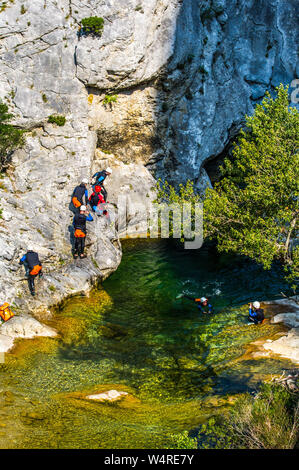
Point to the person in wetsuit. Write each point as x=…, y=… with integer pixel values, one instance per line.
x=100, y=177
x=33, y=267
x=256, y=313
x=80, y=193
x=203, y=304
x=79, y=224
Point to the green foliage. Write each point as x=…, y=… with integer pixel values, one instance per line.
x=59, y=120
x=253, y=210
x=181, y=441
x=109, y=99
x=267, y=421
x=93, y=25
x=44, y=98
x=167, y=194
x=11, y=138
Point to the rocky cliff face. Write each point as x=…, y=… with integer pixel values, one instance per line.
x=184, y=72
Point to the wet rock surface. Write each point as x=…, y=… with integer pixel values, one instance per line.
x=288, y=344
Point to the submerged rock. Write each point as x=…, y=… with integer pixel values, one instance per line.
x=111, y=395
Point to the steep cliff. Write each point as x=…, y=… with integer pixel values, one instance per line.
x=184, y=72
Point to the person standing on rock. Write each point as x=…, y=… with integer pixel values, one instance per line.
x=80, y=193
x=97, y=202
x=256, y=313
x=33, y=267
x=79, y=225
x=100, y=177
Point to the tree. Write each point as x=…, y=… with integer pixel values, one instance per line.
x=253, y=209
x=11, y=138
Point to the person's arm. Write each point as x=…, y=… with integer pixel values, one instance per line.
x=89, y=218
x=252, y=313
x=22, y=259
x=211, y=310
x=95, y=175
x=86, y=196
x=189, y=297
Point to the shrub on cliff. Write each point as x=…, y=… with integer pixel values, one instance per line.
x=11, y=138
x=253, y=209
x=93, y=25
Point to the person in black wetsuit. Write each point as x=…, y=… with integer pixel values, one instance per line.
x=79, y=224
x=256, y=313
x=80, y=193
x=100, y=177
x=33, y=267
x=203, y=304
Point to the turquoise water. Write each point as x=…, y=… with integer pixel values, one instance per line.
x=133, y=334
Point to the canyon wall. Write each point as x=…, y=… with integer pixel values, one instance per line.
x=185, y=74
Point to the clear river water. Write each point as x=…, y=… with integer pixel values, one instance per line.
x=133, y=334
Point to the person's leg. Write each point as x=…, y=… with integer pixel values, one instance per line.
x=76, y=251
x=104, y=192
x=31, y=284
x=82, y=246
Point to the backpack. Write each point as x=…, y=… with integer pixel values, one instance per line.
x=5, y=312
x=35, y=270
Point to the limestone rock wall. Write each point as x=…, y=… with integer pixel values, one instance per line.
x=185, y=72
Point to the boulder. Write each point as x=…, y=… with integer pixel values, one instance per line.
x=24, y=326
x=286, y=346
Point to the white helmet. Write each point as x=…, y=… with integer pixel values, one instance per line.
x=203, y=299
x=83, y=208
x=108, y=170
x=85, y=181
x=256, y=304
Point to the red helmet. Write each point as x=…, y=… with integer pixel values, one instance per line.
x=97, y=189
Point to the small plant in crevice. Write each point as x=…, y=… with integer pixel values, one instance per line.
x=58, y=120
x=109, y=100
x=93, y=25
x=23, y=10
x=44, y=98
x=139, y=8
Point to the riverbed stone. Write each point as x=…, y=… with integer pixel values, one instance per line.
x=111, y=395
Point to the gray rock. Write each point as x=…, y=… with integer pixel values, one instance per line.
x=177, y=106
x=6, y=343
x=24, y=326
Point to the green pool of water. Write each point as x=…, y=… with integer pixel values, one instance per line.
x=133, y=334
